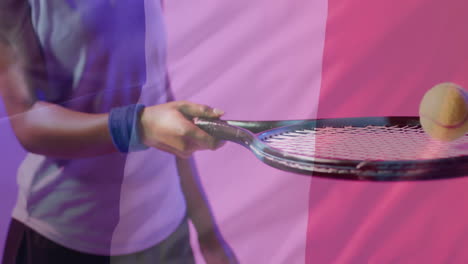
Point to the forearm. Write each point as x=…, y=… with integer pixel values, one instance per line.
x=197, y=205
x=212, y=244
x=52, y=130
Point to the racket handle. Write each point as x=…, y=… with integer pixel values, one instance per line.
x=210, y=126
x=222, y=130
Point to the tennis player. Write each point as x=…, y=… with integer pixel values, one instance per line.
x=108, y=177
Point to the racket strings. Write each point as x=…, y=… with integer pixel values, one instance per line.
x=366, y=143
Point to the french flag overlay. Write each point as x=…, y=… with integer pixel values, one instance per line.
x=280, y=59
x=303, y=59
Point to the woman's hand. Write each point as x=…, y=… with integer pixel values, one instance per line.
x=215, y=250
x=169, y=127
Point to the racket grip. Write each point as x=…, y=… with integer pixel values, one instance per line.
x=210, y=126
x=214, y=127
x=223, y=131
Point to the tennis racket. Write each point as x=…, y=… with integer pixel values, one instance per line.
x=370, y=148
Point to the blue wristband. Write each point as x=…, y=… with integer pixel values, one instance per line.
x=124, y=128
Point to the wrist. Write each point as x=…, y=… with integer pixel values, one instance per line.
x=211, y=237
x=136, y=139
x=124, y=126
x=143, y=124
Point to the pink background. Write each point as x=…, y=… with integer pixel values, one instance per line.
x=280, y=59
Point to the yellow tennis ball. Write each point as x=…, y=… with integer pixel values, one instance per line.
x=443, y=112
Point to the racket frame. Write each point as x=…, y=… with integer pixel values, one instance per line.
x=251, y=134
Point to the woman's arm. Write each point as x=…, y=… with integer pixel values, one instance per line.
x=214, y=248
x=53, y=130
